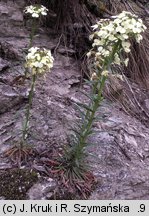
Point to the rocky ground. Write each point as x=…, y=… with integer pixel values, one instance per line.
x=119, y=156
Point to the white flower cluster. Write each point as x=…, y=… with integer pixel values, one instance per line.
x=39, y=60
x=36, y=10
x=118, y=31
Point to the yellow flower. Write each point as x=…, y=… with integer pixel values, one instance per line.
x=109, y=32
x=117, y=59
x=139, y=38
x=94, y=76
x=105, y=73
x=88, y=54
x=120, y=30
x=95, y=26
x=112, y=38
x=39, y=60
x=126, y=46
x=126, y=61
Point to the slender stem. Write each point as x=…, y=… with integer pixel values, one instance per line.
x=32, y=34
x=96, y=104
x=87, y=128
x=34, y=27
x=26, y=123
x=89, y=116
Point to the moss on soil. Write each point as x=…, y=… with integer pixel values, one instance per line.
x=15, y=183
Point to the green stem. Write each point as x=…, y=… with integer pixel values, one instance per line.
x=26, y=123
x=34, y=27
x=87, y=128
x=32, y=34
x=89, y=116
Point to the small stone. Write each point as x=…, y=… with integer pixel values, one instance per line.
x=9, y=98
x=3, y=64
x=131, y=140
x=43, y=190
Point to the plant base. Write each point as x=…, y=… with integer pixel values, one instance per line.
x=70, y=180
x=19, y=154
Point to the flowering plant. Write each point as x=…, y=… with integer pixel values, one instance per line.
x=110, y=41
x=118, y=31
x=36, y=10
x=39, y=60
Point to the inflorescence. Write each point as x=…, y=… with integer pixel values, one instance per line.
x=39, y=60
x=120, y=28
x=36, y=10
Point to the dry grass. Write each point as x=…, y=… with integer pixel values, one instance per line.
x=132, y=93
x=137, y=70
